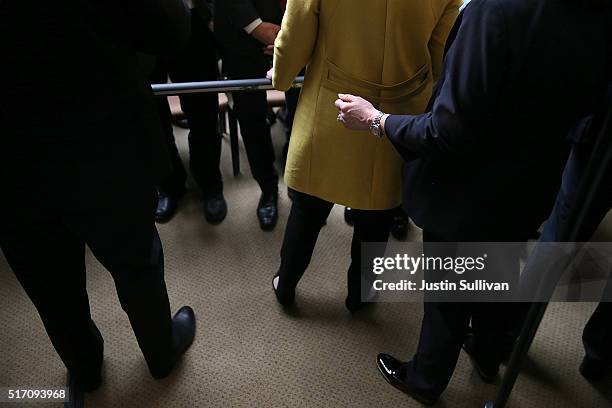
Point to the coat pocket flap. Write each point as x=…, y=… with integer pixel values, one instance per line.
x=338, y=80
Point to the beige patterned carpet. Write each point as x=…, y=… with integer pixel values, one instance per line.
x=248, y=352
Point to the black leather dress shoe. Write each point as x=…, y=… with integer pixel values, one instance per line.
x=486, y=372
x=400, y=225
x=286, y=297
x=183, y=123
x=349, y=216
x=184, y=325
x=594, y=370
x=215, y=209
x=183, y=328
x=354, y=303
x=166, y=207
x=389, y=368
x=267, y=211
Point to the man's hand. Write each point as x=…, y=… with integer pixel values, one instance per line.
x=269, y=49
x=266, y=33
x=355, y=113
x=269, y=74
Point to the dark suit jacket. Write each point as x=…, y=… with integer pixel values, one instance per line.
x=485, y=163
x=78, y=116
x=205, y=8
x=231, y=16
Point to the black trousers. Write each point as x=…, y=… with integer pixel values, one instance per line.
x=292, y=98
x=597, y=335
x=252, y=112
x=197, y=62
x=307, y=217
x=444, y=329
x=47, y=254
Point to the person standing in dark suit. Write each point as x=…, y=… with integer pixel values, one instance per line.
x=80, y=129
x=244, y=29
x=495, y=133
x=196, y=62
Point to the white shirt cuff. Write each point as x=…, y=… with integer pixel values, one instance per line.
x=251, y=27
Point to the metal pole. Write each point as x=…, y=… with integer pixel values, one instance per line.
x=592, y=181
x=519, y=354
x=239, y=85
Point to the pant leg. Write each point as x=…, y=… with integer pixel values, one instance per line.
x=252, y=113
x=126, y=243
x=292, y=97
x=443, y=332
x=174, y=184
x=198, y=62
x=496, y=327
x=49, y=262
x=307, y=217
x=597, y=335
x=251, y=110
x=369, y=226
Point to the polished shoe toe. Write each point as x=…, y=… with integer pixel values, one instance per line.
x=183, y=331
x=184, y=326
x=167, y=205
x=349, y=216
x=215, y=209
x=267, y=211
x=390, y=367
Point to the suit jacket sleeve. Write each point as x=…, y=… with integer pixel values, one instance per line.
x=295, y=42
x=158, y=26
x=241, y=12
x=474, y=72
x=440, y=35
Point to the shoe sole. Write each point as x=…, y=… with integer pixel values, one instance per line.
x=215, y=221
x=405, y=390
x=267, y=227
x=164, y=220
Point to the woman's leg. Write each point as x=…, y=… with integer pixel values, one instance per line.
x=307, y=217
x=370, y=226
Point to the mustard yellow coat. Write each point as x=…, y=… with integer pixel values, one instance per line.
x=386, y=51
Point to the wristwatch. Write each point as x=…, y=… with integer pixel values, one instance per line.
x=375, y=127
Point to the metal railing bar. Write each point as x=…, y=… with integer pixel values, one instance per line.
x=235, y=85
